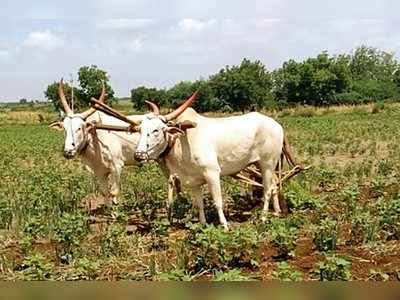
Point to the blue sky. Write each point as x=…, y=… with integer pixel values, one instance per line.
x=159, y=43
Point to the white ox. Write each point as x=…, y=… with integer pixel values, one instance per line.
x=211, y=148
x=104, y=153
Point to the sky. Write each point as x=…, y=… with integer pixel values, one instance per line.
x=159, y=43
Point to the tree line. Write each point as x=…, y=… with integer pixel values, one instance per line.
x=365, y=75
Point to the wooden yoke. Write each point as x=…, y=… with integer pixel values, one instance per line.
x=114, y=113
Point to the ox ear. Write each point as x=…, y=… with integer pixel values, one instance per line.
x=57, y=125
x=173, y=134
x=185, y=125
x=174, y=130
x=90, y=127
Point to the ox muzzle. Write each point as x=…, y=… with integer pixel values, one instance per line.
x=69, y=154
x=141, y=156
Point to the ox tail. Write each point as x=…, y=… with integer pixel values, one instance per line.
x=282, y=201
x=287, y=152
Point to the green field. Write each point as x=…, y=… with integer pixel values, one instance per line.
x=344, y=222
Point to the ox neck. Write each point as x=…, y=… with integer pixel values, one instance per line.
x=82, y=151
x=166, y=151
x=84, y=148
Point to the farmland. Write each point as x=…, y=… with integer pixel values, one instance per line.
x=344, y=222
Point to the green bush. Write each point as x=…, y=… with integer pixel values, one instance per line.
x=286, y=272
x=283, y=234
x=176, y=275
x=83, y=269
x=298, y=197
x=69, y=231
x=389, y=217
x=326, y=235
x=350, y=195
x=35, y=267
x=349, y=98
x=5, y=214
x=113, y=242
x=231, y=275
x=364, y=226
x=215, y=248
x=333, y=268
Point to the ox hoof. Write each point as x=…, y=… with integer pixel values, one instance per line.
x=226, y=227
x=276, y=214
x=113, y=216
x=264, y=218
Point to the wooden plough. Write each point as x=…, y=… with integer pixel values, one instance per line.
x=252, y=175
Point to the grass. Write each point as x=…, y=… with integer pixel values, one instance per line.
x=344, y=223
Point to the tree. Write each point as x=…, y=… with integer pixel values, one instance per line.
x=206, y=100
x=141, y=94
x=243, y=86
x=89, y=86
x=314, y=81
x=23, y=101
x=90, y=79
x=374, y=73
x=51, y=93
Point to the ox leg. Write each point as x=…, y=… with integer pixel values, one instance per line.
x=275, y=197
x=113, y=187
x=170, y=197
x=214, y=185
x=198, y=201
x=103, y=181
x=269, y=187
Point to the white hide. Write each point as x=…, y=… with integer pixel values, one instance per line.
x=106, y=152
x=215, y=147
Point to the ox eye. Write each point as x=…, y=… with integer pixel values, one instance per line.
x=155, y=130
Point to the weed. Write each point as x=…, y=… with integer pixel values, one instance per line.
x=286, y=272
x=283, y=234
x=231, y=275
x=35, y=267
x=299, y=197
x=333, y=268
x=326, y=235
x=215, y=248
x=113, y=242
x=69, y=231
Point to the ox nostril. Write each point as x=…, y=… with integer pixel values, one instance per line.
x=140, y=155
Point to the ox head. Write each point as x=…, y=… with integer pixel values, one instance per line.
x=156, y=132
x=75, y=127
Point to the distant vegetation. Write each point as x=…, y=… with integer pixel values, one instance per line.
x=366, y=75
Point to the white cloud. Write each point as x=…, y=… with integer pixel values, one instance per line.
x=126, y=24
x=135, y=45
x=5, y=55
x=45, y=40
x=195, y=26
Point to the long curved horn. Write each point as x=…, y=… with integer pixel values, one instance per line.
x=153, y=107
x=86, y=114
x=182, y=108
x=63, y=100
x=112, y=112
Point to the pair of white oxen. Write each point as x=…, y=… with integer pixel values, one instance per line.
x=196, y=149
